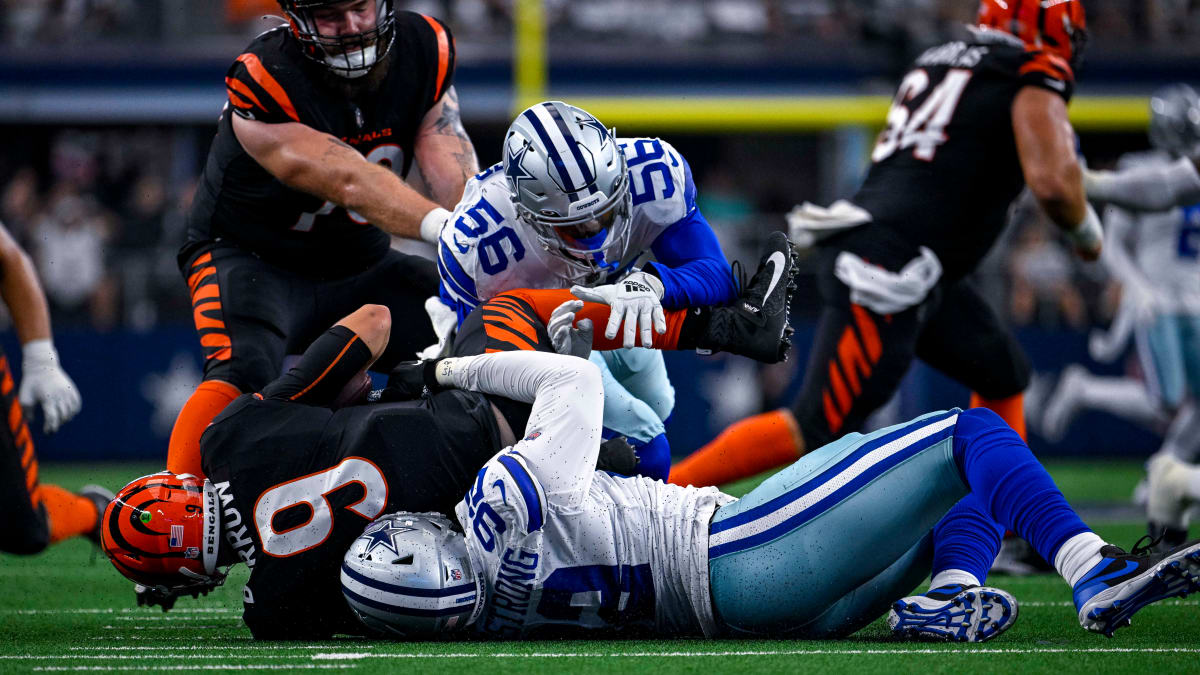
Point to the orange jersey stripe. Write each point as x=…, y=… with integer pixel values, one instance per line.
x=839, y=388
x=265, y=80
x=203, y=321
x=443, y=43
x=243, y=93
x=851, y=356
x=502, y=333
x=832, y=417
x=868, y=332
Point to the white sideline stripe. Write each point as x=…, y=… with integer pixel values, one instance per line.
x=188, y=627
x=193, y=647
x=1068, y=603
x=782, y=652
x=769, y=520
x=233, y=653
x=214, y=667
x=145, y=612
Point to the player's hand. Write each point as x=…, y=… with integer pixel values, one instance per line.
x=409, y=380
x=1088, y=236
x=568, y=337
x=44, y=383
x=636, y=301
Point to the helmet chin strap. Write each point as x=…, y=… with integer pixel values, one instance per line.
x=340, y=63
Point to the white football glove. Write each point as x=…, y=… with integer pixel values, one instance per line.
x=566, y=336
x=636, y=301
x=445, y=324
x=44, y=382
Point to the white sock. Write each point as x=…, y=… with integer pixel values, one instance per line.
x=947, y=577
x=1078, y=555
x=1120, y=396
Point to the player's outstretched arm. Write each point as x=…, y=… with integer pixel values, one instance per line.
x=562, y=438
x=43, y=380
x=321, y=164
x=444, y=151
x=1146, y=188
x=1046, y=147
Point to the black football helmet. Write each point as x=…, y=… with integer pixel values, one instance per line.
x=348, y=56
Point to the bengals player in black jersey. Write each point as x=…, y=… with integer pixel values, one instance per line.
x=973, y=122
x=293, y=478
x=304, y=183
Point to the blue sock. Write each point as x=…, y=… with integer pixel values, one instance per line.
x=1010, y=484
x=966, y=539
x=654, y=457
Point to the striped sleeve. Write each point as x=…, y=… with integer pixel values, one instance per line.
x=444, y=59
x=458, y=288
x=254, y=93
x=1048, y=71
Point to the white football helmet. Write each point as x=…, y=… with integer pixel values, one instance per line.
x=1175, y=120
x=408, y=574
x=570, y=183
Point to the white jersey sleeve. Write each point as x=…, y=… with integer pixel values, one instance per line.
x=562, y=437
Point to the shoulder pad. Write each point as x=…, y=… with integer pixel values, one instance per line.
x=436, y=44
x=255, y=92
x=505, y=498
x=1048, y=71
x=660, y=180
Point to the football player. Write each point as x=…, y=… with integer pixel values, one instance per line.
x=549, y=543
x=973, y=122
x=305, y=180
x=571, y=203
x=292, y=482
x=35, y=514
x=1160, y=289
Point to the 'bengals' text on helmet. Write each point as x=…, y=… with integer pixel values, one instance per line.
x=164, y=530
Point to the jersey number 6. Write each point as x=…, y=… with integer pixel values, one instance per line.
x=309, y=492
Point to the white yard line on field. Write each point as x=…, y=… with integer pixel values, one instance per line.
x=217, y=666
x=350, y=656
x=237, y=648
x=125, y=610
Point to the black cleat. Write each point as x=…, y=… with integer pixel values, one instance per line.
x=1123, y=583
x=756, y=324
x=100, y=496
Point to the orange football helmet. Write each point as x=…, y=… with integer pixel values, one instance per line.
x=163, y=530
x=1057, y=26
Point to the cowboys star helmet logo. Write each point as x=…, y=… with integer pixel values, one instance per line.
x=383, y=537
x=513, y=169
x=595, y=124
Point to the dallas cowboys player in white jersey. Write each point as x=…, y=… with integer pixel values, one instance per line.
x=819, y=550
x=572, y=204
x=1160, y=297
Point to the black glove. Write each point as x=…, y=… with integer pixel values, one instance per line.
x=617, y=456
x=409, y=381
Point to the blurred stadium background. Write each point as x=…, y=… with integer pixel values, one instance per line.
x=107, y=108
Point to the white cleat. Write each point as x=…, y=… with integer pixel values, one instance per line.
x=953, y=613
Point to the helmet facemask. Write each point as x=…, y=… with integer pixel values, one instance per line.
x=588, y=240
x=569, y=183
x=349, y=56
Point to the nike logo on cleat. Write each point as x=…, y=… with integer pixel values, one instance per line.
x=776, y=261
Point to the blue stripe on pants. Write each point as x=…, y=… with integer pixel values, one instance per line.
x=833, y=521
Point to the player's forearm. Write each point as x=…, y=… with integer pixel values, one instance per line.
x=23, y=295
x=1116, y=257
x=1148, y=188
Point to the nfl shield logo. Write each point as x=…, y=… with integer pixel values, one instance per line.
x=176, y=539
x=456, y=575
x=533, y=436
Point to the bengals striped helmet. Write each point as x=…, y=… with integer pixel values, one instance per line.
x=164, y=530
x=1057, y=26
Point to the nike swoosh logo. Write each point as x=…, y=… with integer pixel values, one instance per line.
x=776, y=261
x=1129, y=567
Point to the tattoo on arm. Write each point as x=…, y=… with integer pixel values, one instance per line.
x=337, y=148
x=449, y=126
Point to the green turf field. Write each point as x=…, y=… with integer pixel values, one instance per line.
x=68, y=610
